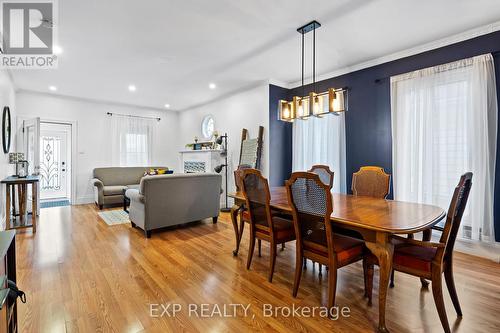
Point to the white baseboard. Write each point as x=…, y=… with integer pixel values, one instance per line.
x=486, y=250
x=83, y=200
x=489, y=251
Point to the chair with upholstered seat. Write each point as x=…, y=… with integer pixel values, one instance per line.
x=371, y=181
x=311, y=203
x=264, y=224
x=243, y=213
x=326, y=176
x=430, y=260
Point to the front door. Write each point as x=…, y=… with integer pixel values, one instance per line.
x=55, y=159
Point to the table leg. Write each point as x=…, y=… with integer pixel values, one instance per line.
x=383, y=249
x=21, y=202
x=234, y=219
x=34, y=205
x=13, y=201
x=7, y=206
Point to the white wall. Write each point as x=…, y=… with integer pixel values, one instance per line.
x=7, y=98
x=248, y=109
x=93, y=132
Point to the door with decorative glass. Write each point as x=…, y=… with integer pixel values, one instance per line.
x=55, y=159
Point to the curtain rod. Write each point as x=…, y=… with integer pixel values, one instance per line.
x=132, y=116
x=379, y=80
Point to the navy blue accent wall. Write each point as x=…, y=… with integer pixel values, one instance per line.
x=280, y=139
x=368, y=121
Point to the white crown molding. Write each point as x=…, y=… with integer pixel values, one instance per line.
x=92, y=100
x=279, y=83
x=469, y=34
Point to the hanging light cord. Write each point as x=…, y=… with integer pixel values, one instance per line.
x=314, y=58
x=302, y=64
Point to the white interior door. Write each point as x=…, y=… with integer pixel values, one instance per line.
x=55, y=161
x=29, y=144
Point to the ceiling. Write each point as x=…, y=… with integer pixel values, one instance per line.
x=172, y=49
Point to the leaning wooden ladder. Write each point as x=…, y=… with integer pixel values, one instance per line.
x=250, y=157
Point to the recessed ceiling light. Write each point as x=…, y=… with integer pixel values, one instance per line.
x=57, y=50
x=52, y=88
x=132, y=88
x=167, y=106
x=212, y=85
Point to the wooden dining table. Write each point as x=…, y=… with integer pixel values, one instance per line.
x=374, y=218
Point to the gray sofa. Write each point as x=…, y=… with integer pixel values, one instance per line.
x=169, y=200
x=110, y=183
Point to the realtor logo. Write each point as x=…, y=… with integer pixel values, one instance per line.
x=28, y=34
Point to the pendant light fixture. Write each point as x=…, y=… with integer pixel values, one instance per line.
x=314, y=104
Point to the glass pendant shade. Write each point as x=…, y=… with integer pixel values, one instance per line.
x=316, y=105
x=336, y=100
x=286, y=111
x=301, y=107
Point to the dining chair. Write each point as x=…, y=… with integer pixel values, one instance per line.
x=311, y=203
x=371, y=181
x=244, y=214
x=265, y=224
x=429, y=260
x=326, y=176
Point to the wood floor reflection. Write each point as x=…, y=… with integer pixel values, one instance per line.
x=81, y=275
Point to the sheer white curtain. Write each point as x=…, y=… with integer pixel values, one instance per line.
x=444, y=123
x=131, y=140
x=321, y=141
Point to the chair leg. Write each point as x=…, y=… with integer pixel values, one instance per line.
x=437, y=292
x=298, y=273
x=272, y=260
x=368, y=270
x=282, y=246
x=424, y=283
x=242, y=228
x=450, y=283
x=259, y=246
x=305, y=263
x=391, y=284
x=332, y=286
x=320, y=270
x=251, y=248
x=365, y=276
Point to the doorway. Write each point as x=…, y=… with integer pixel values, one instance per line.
x=55, y=164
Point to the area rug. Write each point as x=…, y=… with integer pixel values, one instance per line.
x=113, y=217
x=55, y=203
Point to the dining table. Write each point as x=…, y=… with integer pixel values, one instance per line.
x=375, y=219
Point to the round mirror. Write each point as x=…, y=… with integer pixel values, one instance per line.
x=208, y=127
x=6, y=129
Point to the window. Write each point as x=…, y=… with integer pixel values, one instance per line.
x=321, y=141
x=131, y=140
x=444, y=123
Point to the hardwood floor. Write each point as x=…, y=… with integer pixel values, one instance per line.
x=81, y=275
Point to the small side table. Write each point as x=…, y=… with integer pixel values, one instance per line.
x=16, y=221
x=126, y=201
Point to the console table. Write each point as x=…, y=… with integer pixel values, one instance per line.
x=20, y=220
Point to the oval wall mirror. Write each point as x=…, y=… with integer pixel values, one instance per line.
x=6, y=129
x=208, y=127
